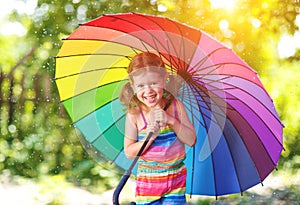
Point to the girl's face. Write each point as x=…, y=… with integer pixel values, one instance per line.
x=149, y=88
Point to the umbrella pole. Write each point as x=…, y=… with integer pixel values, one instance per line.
x=127, y=173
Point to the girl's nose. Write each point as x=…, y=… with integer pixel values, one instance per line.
x=148, y=87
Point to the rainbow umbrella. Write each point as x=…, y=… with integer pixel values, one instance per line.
x=239, y=133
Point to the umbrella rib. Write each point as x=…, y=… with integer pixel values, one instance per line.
x=109, y=54
x=102, y=134
x=202, y=107
x=265, y=126
x=91, y=54
x=245, y=145
x=246, y=92
x=235, y=98
x=235, y=87
x=257, y=116
x=191, y=104
x=120, y=43
x=254, y=165
x=166, y=32
x=203, y=60
x=153, y=36
x=264, y=121
x=217, y=66
x=233, y=161
x=182, y=45
x=258, y=140
x=198, y=119
x=139, y=26
x=88, y=71
x=211, y=103
x=217, y=122
x=214, y=113
x=160, y=55
x=205, y=125
x=212, y=156
x=93, y=111
x=193, y=148
x=115, y=158
x=198, y=89
x=91, y=90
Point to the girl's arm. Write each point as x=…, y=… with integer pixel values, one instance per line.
x=131, y=145
x=182, y=127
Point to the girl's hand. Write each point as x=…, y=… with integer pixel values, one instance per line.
x=154, y=128
x=158, y=116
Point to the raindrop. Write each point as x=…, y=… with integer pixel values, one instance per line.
x=69, y=8
x=153, y=2
x=12, y=128
x=162, y=8
x=255, y=23
x=82, y=9
x=223, y=24
x=240, y=46
x=2, y=157
x=275, y=194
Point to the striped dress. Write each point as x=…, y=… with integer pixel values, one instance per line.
x=161, y=172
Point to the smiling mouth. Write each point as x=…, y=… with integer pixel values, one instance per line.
x=150, y=98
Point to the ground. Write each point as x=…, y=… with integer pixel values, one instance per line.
x=279, y=188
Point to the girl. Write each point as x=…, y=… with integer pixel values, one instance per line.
x=152, y=108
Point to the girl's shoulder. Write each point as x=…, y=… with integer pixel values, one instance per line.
x=178, y=107
x=133, y=114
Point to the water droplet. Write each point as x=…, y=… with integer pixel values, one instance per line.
x=12, y=128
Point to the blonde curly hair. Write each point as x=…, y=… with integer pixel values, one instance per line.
x=139, y=63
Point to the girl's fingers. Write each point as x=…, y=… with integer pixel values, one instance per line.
x=158, y=116
x=154, y=128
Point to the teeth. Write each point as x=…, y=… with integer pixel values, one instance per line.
x=150, y=98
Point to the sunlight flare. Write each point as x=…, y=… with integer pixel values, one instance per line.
x=217, y=4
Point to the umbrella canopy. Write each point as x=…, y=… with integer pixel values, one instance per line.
x=239, y=134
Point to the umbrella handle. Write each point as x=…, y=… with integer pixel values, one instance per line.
x=127, y=173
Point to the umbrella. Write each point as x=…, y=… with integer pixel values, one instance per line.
x=239, y=133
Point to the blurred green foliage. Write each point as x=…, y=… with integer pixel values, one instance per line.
x=36, y=136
